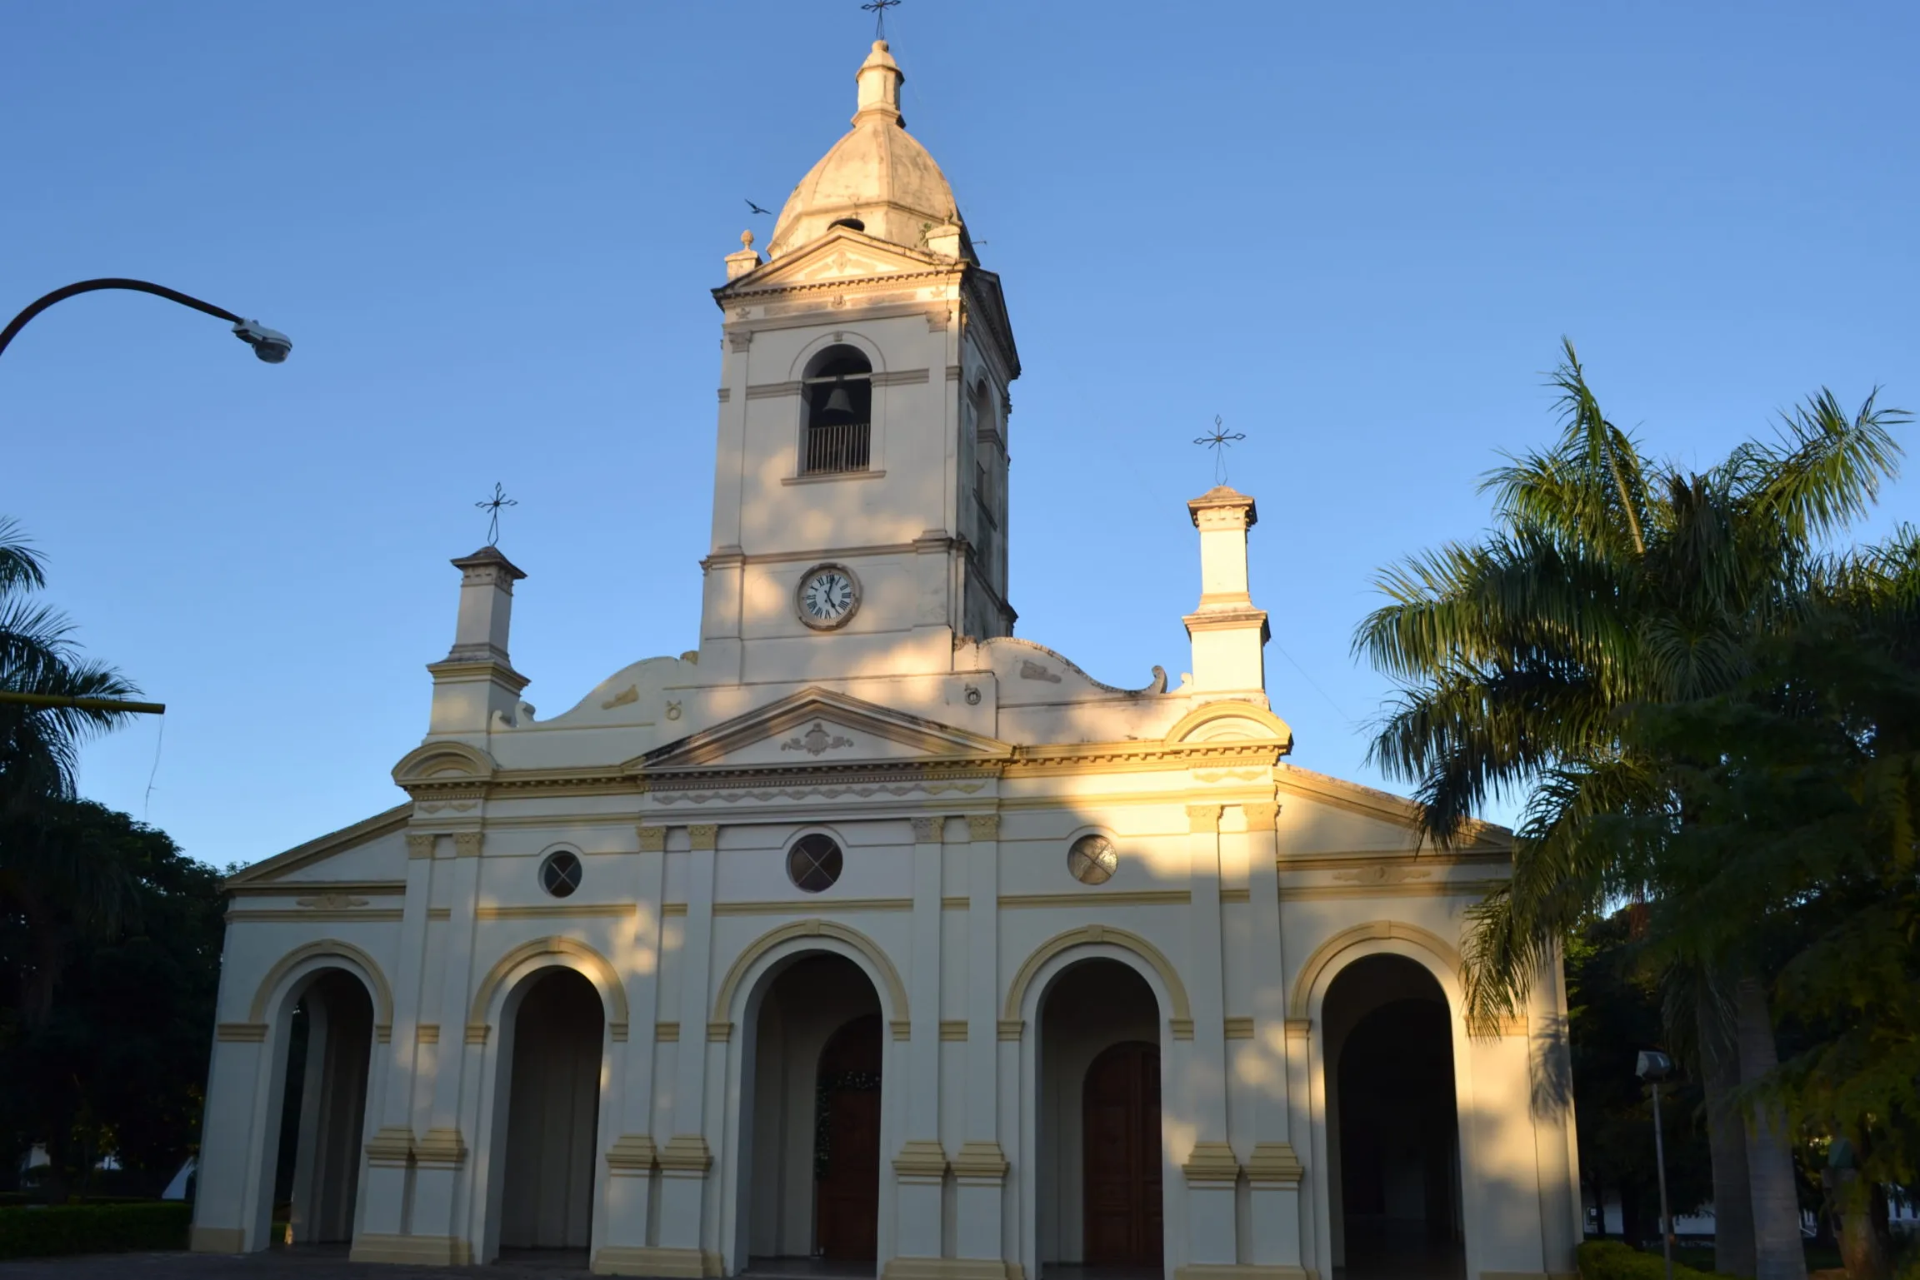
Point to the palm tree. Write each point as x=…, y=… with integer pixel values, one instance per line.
x=44, y=878
x=1609, y=582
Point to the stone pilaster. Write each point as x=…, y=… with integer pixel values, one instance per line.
x=686, y=1159
x=922, y=1163
x=980, y=1166
x=1273, y=1169
x=1211, y=1170
x=631, y=1158
x=453, y=1064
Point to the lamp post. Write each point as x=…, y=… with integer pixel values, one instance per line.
x=1653, y=1067
x=270, y=345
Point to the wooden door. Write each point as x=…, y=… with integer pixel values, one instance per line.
x=847, y=1143
x=1122, y=1147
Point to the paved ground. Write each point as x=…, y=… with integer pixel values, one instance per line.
x=277, y=1264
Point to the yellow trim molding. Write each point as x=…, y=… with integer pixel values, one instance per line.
x=651, y=1260
x=1325, y=954
x=814, y=928
x=1093, y=935
x=421, y=1251
x=591, y=964
x=370, y=970
x=946, y=1269
x=1211, y=1164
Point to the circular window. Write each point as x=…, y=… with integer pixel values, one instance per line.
x=814, y=863
x=1092, y=859
x=560, y=873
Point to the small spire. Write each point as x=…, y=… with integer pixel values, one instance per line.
x=880, y=79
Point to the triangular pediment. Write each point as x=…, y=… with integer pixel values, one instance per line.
x=844, y=255
x=818, y=727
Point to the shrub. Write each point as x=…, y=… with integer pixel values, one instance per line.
x=1612, y=1260
x=30, y=1232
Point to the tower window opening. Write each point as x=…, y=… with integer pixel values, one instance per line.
x=839, y=397
x=852, y=223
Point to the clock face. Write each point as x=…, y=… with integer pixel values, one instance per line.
x=828, y=597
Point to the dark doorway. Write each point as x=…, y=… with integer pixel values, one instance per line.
x=323, y=1110
x=553, y=1112
x=1399, y=1144
x=1121, y=1136
x=846, y=1150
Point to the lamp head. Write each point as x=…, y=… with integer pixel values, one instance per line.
x=270, y=345
x=1653, y=1066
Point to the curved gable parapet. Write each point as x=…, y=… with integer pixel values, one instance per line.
x=628, y=697
x=1030, y=672
x=1230, y=721
x=443, y=763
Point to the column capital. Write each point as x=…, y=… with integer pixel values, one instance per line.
x=1203, y=817
x=1211, y=1162
x=466, y=844
x=927, y=830
x=442, y=1148
x=980, y=1160
x=1261, y=817
x=704, y=835
x=685, y=1154
x=983, y=826
x=921, y=1160
x=1274, y=1164
x=653, y=839
x=420, y=844
x=631, y=1154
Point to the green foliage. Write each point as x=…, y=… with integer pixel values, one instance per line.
x=1614, y=1010
x=33, y=1232
x=1611, y=1260
x=119, y=1062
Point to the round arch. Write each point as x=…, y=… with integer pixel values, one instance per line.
x=316, y=955
x=1178, y=1010
x=589, y=963
x=879, y=967
x=804, y=358
x=1420, y=945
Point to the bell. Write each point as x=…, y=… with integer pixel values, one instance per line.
x=838, y=402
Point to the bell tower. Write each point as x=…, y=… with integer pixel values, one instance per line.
x=860, y=483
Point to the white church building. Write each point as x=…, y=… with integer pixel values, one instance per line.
x=866, y=938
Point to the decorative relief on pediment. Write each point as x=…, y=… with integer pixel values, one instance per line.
x=734, y=795
x=1381, y=873
x=1031, y=670
x=626, y=696
x=330, y=901
x=817, y=741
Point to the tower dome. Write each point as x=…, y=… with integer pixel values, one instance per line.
x=877, y=179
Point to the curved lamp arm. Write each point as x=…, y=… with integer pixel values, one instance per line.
x=270, y=345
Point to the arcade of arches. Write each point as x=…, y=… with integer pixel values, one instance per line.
x=323, y=1107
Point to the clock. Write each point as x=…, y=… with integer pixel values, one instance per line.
x=829, y=595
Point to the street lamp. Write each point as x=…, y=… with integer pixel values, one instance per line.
x=270, y=345
x=1653, y=1067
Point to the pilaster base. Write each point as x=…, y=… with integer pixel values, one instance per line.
x=217, y=1240
x=673, y=1264
x=1238, y=1271
x=946, y=1269
x=421, y=1251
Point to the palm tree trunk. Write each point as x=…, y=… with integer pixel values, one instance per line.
x=1726, y=1138
x=1866, y=1245
x=1778, y=1252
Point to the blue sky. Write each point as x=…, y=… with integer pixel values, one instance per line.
x=1355, y=231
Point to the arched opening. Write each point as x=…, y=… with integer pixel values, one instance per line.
x=553, y=1115
x=1393, y=1133
x=838, y=433
x=1101, y=1176
x=323, y=1111
x=811, y=1151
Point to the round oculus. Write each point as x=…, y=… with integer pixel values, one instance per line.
x=814, y=863
x=828, y=596
x=560, y=873
x=1092, y=859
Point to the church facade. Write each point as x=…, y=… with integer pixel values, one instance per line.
x=867, y=932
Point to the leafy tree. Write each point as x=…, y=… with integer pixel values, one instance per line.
x=1615, y=1010
x=1611, y=582
x=118, y=1064
x=39, y=749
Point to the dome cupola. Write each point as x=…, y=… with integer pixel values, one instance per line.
x=877, y=179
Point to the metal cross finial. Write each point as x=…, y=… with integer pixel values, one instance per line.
x=879, y=10
x=492, y=507
x=1219, y=440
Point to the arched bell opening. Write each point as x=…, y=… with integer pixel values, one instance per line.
x=838, y=434
x=323, y=1106
x=811, y=1159
x=1393, y=1125
x=1101, y=1180
x=553, y=1114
